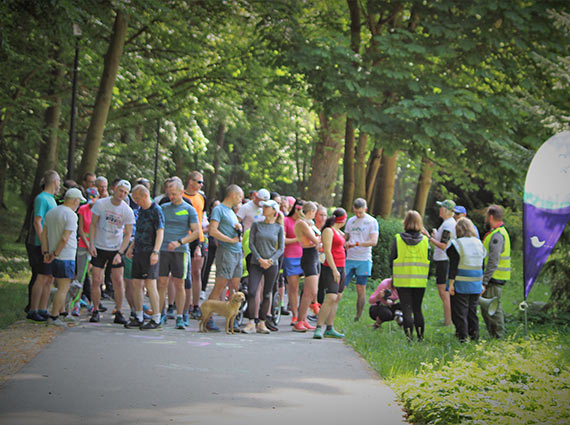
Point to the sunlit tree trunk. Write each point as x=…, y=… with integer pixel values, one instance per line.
x=385, y=185
x=424, y=184
x=372, y=173
x=360, y=169
x=348, y=166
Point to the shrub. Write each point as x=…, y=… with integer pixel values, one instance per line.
x=387, y=229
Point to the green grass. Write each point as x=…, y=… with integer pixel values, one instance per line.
x=420, y=373
x=14, y=268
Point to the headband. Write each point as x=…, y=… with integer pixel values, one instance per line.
x=340, y=219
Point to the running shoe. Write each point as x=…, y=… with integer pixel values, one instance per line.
x=312, y=318
x=163, y=319
x=170, y=312
x=211, y=326
x=285, y=312
x=180, y=323
x=90, y=309
x=84, y=301
x=44, y=314
x=119, y=318
x=270, y=324
x=332, y=333
x=293, y=320
x=102, y=308
x=56, y=322
x=308, y=326
x=134, y=323
x=151, y=325
x=186, y=318
x=262, y=329
x=147, y=310
x=76, y=310
x=34, y=316
x=299, y=327
x=95, y=317
x=236, y=326
x=249, y=328
x=318, y=333
x=316, y=307
x=196, y=313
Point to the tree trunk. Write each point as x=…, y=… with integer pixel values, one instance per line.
x=213, y=185
x=372, y=173
x=424, y=184
x=385, y=185
x=47, y=156
x=324, y=164
x=348, y=166
x=104, y=95
x=360, y=172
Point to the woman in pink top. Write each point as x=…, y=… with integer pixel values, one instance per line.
x=385, y=304
x=331, y=280
x=292, y=258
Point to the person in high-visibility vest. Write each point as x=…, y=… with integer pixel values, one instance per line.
x=497, y=268
x=466, y=255
x=409, y=262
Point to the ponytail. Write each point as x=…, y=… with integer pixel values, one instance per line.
x=338, y=213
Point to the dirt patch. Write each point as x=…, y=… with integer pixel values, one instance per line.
x=20, y=343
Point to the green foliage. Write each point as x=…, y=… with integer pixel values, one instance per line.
x=387, y=229
x=13, y=296
x=557, y=272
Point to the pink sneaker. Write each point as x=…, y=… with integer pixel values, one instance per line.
x=299, y=327
x=308, y=326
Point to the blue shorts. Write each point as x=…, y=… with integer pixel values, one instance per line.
x=292, y=266
x=63, y=269
x=359, y=269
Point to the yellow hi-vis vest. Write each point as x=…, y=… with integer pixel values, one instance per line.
x=411, y=267
x=503, y=271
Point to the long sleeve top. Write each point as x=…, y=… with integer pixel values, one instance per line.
x=266, y=241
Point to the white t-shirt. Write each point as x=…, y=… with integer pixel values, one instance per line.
x=58, y=220
x=449, y=226
x=359, y=230
x=111, y=224
x=248, y=213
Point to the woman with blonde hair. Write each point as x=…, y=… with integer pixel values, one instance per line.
x=310, y=238
x=409, y=262
x=466, y=256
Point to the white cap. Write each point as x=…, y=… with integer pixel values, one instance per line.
x=262, y=194
x=271, y=203
x=124, y=183
x=74, y=193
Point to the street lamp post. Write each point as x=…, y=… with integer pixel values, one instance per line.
x=71, y=151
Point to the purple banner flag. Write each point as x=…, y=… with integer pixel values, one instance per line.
x=546, y=209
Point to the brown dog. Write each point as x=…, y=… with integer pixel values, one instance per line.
x=228, y=309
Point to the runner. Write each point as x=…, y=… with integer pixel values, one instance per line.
x=309, y=238
x=145, y=254
x=362, y=235
x=179, y=219
x=109, y=235
x=292, y=259
x=59, y=246
x=332, y=275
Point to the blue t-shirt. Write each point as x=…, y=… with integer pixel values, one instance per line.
x=227, y=219
x=148, y=222
x=177, y=221
x=42, y=204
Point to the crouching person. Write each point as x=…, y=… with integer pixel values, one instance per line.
x=385, y=304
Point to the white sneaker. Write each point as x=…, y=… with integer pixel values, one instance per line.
x=202, y=295
x=56, y=322
x=249, y=328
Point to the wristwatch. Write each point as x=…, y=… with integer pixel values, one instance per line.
x=155, y=252
x=180, y=241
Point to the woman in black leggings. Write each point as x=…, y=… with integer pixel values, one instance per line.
x=409, y=261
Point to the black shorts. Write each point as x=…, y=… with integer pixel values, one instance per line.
x=142, y=269
x=174, y=263
x=441, y=272
x=196, y=245
x=327, y=283
x=36, y=260
x=310, y=262
x=104, y=257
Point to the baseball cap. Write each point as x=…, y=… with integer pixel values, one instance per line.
x=271, y=203
x=74, y=193
x=92, y=193
x=460, y=210
x=124, y=183
x=262, y=194
x=448, y=203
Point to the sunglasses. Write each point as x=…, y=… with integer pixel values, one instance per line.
x=199, y=181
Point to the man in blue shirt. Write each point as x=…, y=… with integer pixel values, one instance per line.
x=226, y=229
x=179, y=219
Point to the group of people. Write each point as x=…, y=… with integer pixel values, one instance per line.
x=466, y=269
x=138, y=244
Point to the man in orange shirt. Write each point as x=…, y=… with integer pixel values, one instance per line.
x=193, y=284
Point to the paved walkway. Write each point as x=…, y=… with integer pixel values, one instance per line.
x=101, y=373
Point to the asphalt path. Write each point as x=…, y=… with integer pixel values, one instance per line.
x=102, y=373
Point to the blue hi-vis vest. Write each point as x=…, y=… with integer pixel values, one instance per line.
x=472, y=253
